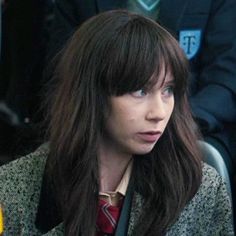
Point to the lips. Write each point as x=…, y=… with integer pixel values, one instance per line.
x=150, y=136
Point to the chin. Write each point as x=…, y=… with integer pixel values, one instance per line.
x=143, y=151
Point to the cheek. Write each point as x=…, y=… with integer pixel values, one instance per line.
x=119, y=117
x=172, y=105
x=124, y=115
x=170, y=110
x=131, y=117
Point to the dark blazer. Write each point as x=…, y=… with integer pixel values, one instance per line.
x=211, y=48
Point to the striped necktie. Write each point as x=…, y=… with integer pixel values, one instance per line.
x=108, y=217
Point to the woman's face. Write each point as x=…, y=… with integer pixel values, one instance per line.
x=137, y=120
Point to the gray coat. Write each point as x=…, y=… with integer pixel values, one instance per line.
x=208, y=213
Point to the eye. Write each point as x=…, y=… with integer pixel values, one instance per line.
x=139, y=93
x=168, y=91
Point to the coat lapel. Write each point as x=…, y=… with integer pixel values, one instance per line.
x=106, y=5
x=56, y=231
x=169, y=14
x=123, y=223
x=136, y=209
x=48, y=215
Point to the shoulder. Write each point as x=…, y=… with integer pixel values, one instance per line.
x=19, y=169
x=21, y=174
x=211, y=180
x=20, y=184
x=209, y=212
x=212, y=195
x=213, y=189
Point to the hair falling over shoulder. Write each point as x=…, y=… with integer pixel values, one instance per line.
x=115, y=53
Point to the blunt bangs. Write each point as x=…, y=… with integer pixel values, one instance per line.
x=138, y=50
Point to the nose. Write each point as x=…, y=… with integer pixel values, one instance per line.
x=157, y=109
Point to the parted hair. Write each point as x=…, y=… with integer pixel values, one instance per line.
x=112, y=54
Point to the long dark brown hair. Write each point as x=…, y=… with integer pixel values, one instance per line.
x=114, y=53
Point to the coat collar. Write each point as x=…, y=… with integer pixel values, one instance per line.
x=136, y=209
x=48, y=215
x=169, y=14
x=49, y=218
x=107, y=5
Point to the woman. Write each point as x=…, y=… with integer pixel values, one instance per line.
x=122, y=157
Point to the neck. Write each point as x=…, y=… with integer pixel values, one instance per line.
x=112, y=166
